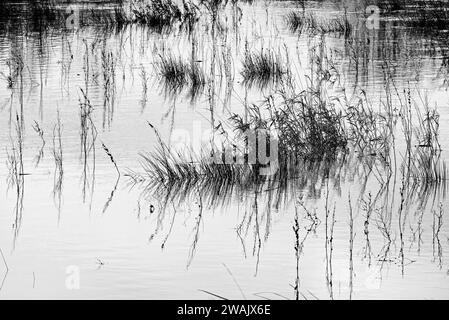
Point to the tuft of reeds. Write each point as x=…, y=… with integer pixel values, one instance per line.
x=15, y=67
x=161, y=15
x=423, y=162
x=177, y=75
x=173, y=70
x=307, y=126
x=157, y=13
x=214, y=7
x=369, y=131
x=262, y=68
x=300, y=22
x=296, y=21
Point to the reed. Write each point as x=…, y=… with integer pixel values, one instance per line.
x=296, y=21
x=15, y=68
x=144, y=81
x=262, y=68
x=109, y=87
x=157, y=13
x=88, y=137
x=111, y=157
x=16, y=174
x=300, y=22
x=178, y=75
x=351, y=247
x=422, y=160
x=436, y=229
x=162, y=15
x=40, y=153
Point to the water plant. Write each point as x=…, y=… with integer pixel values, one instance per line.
x=161, y=15
x=177, y=75
x=58, y=159
x=262, y=68
x=308, y=22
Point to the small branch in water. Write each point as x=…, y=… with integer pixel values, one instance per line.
x=108, y=202
x=213, y=294
x=40, y=154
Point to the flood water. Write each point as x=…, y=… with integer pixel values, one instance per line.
x=82, y=218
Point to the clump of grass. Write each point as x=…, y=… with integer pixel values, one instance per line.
x=176, y=75
x=163, y=14
x=262, y=68
x=427, y=167
x=88, y=137
x=369, y=131
x=116, y=17
x=40, y=154
x=173, y=70
x=339, y=25
x=307, y=127
x=296, y=21
x=214, y=7
x=182, y=172
x=157, y=13
x=197, y=80
x=299, y=22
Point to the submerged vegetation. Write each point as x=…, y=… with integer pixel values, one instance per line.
x=298, y=21
x=328, y=131
x=309, y=125
x=177, y=75
x=160, y=14
x=262, y=68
